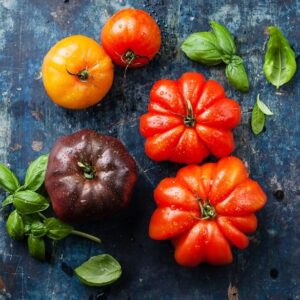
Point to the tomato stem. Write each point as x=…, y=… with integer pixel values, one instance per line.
x=86, y=235
x=88, y=171
x=206, y=209
x=189, y=119
x=82, y=75
x=129, y=56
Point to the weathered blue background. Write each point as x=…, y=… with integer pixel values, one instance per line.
x=30, y=123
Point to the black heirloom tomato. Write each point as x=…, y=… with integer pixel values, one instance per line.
x=90, y=176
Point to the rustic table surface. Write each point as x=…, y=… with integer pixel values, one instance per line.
x=30, y=123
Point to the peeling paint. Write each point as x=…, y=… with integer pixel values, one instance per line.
x=7, y=22
x=37, y=145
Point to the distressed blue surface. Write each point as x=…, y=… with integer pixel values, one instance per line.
x=30, y=123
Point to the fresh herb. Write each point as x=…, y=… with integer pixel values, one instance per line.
x=99, y=270
x=8, y=200
x=29, y=202
x=27, y=219
x=8, y=181
x=263, y=107
x=57, y=230
x=224, y=38
x=35, y=174
x=38, y=229
x=36, y=247
x=259, y=111
x=203, y=47
x=280, y=63
x=15, y=226
x=213, y=48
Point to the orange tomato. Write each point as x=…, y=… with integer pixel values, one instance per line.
x=77, y=73
x=131, y=37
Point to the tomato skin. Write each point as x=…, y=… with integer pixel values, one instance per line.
x=131, y=29
x=224, y=188
x=64, y=62
x=189, y=119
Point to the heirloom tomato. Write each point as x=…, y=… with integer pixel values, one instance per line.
x=205, y=210
x=131, y=37
x=90, y=176
x=77, y=73
x=188, y=119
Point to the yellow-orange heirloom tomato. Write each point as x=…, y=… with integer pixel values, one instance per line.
x=77, y=72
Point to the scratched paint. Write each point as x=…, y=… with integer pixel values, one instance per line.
x=29, y=28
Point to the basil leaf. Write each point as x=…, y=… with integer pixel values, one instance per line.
x=38, y=229
x=280, y=63
x=202, y=47
x=8, y=180
x=99, y=270
x=224, y=38
x=57, y=230
x=28, y=220
x=31, y=218
x=35, y=174
x=257, y=120
x=237, y=76
x=36, y=247
x=8, y=200
x=263, y=107
x=15, y=226
x=28, y=202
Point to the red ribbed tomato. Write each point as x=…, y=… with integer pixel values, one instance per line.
x=188, y=119
x=206, y=210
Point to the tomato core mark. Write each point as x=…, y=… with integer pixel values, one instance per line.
x=206, y=209
x=129, y=56
x=189, y=119
x=88, y=171
x=82, y=75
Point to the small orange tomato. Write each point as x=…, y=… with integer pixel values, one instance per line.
x=131, y=37
x=77, y=73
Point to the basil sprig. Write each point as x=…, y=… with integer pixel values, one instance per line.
x=280, y=62
x=213, y=48
x=99, y=270
x=259, y=111
x=27, y=218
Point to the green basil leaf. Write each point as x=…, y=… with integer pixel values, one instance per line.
x=15, y=226
x=280, y=62
x=57, y=229
x=237, y=76
x=38, y=229
x=8, y=180
x=8, y=200
x=99, y=270
x=35, y=174
x=28, y=220
x=28, y=202
x=263, y=107
x=257, y=120
x=27, y=229
x=31, y=218
x=202, y=47
x=224, y=38
x=36, y=247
